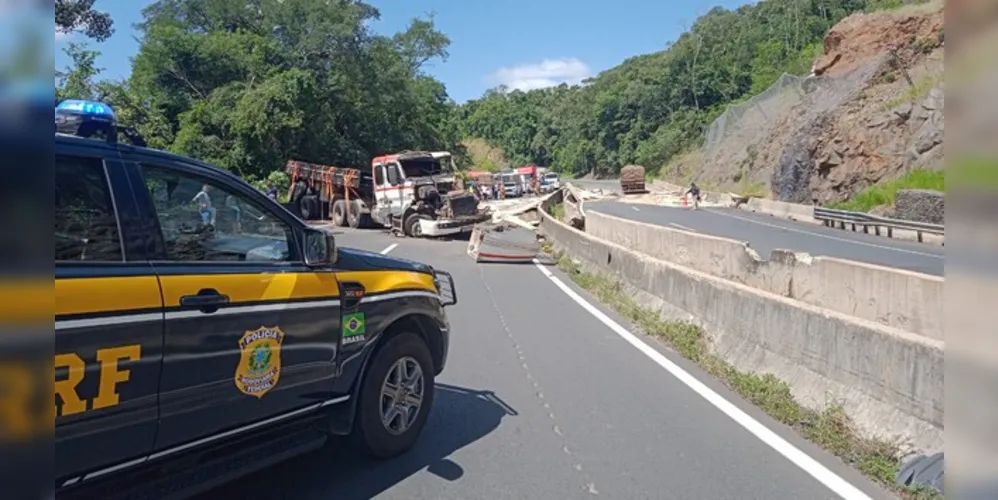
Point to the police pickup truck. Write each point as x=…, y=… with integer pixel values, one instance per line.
x=203, y=332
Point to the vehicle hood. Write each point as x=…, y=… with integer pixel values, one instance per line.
x=362, y=260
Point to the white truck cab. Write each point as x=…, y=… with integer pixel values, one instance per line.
x=417, y=193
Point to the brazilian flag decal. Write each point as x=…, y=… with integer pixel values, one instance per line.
x=353, y=324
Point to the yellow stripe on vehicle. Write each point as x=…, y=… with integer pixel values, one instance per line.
x=387, y=281
x=26, y=301
x=255, y=287
x=92, y=295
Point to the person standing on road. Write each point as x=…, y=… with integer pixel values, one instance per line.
x=694, y=191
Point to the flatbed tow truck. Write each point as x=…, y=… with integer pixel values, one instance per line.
x=413, y=193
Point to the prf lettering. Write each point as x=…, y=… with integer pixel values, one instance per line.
x=111, y=376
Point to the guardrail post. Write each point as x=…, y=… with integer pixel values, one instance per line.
x=890, y=232
x=876, y=230
x=919, y=236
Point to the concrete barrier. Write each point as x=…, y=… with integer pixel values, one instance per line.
x=782, y=209
x=902, y=299
x=889, y=381
x=805, y=213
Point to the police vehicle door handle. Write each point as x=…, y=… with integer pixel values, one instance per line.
x=208, y=300
x=351, y=294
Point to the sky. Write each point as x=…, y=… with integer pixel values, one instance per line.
x=523, y=44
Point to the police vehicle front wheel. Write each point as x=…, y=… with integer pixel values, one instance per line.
x=395, y=397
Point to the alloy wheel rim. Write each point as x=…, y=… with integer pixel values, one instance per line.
x=402, y=395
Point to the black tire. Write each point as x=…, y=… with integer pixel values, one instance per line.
x=339, y=213
x=354, y=217
x=309, y=207
x=299, y=190
x=411, y=225
x=370, y=434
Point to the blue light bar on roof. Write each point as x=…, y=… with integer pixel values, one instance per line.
x=90, y=109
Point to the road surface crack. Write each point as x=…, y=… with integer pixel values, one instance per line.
x=588, y=486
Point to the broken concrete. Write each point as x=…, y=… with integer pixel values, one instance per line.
x=507, y=243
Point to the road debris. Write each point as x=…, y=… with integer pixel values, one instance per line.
x=507, y=242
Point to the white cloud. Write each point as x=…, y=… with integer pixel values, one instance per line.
x=547, y=73
x=61, y=35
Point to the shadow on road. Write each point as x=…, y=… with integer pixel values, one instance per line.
x=459, y=417
x=463, y=236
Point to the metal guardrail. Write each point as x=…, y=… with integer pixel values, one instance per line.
x=840, y=218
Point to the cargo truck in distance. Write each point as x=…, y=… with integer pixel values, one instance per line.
x=415, y=193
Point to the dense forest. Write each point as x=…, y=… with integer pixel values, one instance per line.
x=250, y=84
x=247, y=85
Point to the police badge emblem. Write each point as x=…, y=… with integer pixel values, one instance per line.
x=259, y=361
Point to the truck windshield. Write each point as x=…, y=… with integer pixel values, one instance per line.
x=422, y=167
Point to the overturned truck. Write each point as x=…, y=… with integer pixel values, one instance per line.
x=414, y=193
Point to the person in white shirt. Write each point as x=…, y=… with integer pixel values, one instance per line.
x=203, y=200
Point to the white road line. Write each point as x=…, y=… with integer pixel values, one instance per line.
x=636, y=209
x=832, y=481
x=684, y=228
x=836, y=238
x=389, y=248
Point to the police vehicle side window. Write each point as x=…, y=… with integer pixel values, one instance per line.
x=205, y=221
x=86, y=228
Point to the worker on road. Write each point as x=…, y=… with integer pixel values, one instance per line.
x=694, y=191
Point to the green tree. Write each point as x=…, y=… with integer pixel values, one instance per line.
x=249, y=86
x=77, y=81
x=80, y=16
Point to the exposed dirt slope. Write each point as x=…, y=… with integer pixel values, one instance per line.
x=873, y=109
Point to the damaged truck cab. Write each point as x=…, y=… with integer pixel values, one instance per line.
x=418, y=193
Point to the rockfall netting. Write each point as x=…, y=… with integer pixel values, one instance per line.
x=775, y=118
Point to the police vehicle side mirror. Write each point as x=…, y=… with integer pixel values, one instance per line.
x=320, y=247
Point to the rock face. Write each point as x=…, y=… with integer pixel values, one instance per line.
x=920, y=205
x=873, y=111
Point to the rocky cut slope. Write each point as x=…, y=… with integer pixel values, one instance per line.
x=872, y=109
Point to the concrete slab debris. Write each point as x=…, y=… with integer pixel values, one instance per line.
x=506, y=242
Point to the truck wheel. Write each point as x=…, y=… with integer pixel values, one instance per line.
x=412, y=227
x=339, y=213
x=299, y=190
x=395, y=397
x=307, y=207
x=355, y=218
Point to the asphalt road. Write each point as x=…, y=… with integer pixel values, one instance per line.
x=542, y=399
x=765, y=233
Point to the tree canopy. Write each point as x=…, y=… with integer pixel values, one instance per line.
x=80, y=15
x=248, y=85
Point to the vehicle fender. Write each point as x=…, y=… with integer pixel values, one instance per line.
x=342, y=416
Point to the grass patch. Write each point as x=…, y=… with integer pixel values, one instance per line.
x=919, y=90
x=557, y=211
x=830, y=428
x=751, y=189
x=884, y=193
